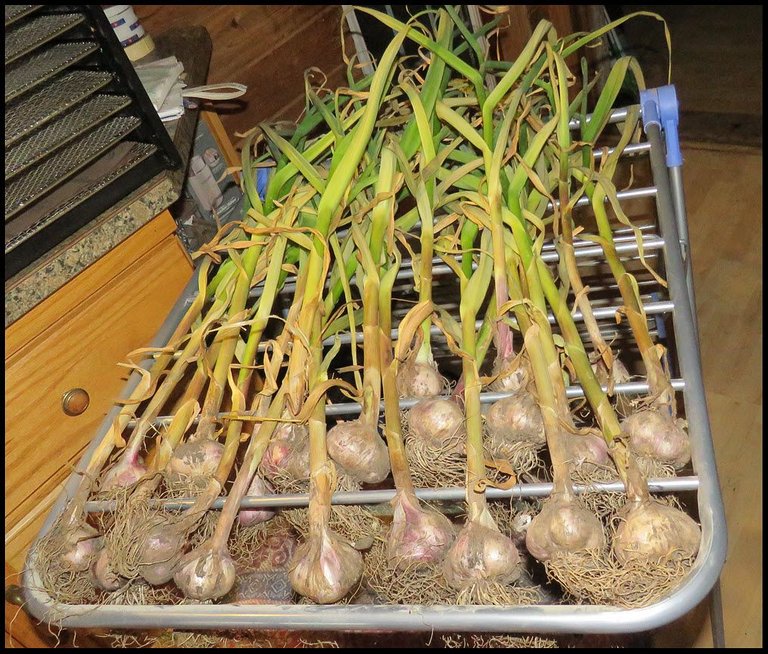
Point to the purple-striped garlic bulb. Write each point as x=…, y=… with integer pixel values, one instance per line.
x=249, y=517
x=288, y=452
x=124, y=474
x=417, y=536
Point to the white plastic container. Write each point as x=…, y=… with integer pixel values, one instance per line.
x=127, y=27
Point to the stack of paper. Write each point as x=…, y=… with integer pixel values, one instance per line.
x=161, y=79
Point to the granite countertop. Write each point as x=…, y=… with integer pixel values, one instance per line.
x=192, y=46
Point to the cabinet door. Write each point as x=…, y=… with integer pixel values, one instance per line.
x=80, y=350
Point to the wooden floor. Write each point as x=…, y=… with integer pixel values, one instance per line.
x=724, y=201
x=716, y=70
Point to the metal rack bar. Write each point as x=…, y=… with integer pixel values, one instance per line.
x=572, y=392
x=678, y=198
x=664, y=485
x=651, y=309
x=582, y=250
x=351, y=408
x=710, y=503
x=631, y=194
x=616, y=116
x=716, y=617
x=650, y=244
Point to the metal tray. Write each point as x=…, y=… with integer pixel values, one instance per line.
x=23, y=76
x=40, y=107
x=24, y=190
x=25, y=37
x=135, y=154
x=17, y=12
x=57, y=134
x=543, y=619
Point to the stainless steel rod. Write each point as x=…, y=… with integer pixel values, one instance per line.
x=651, y=244
x=710, y=502
x=616, y=116
x=631, y=194
x=349, y=408
x=625, y=245
x=678, y=197
x=651, y=309
x=632, y=148
x=572, y=392
x=661, y=485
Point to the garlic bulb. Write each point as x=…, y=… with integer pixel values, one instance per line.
x=437, y=422
x=653, y=532
x=82, y=544
x=659, y=436
x=123, y=475
x=587, y=452
x=288, y=452
x=417, y=536
x=512, y=374
x=358, y=448
x=415, y=379
x=248, y=517
x=515, y=419
x=196, y=459
x=104, y=575
x=161, y=550
x=205, y=573
x=481, y=552
x=325, y=568
x=563, y=526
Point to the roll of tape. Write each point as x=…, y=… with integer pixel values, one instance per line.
x=141, y=48
x=125, y=24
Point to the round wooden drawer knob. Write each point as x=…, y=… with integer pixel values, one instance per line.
x=75, y=401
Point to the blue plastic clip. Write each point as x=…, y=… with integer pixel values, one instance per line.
x=262, y=179
x=660, y=107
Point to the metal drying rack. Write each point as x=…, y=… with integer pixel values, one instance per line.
x=659, y=112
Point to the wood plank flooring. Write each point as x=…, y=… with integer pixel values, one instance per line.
x=724, y=204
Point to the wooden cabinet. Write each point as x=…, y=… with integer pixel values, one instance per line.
x=74, y=340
